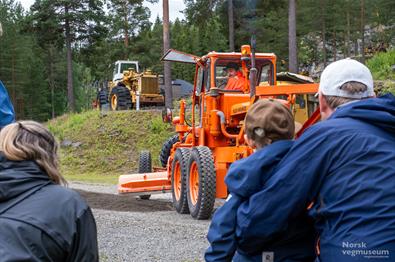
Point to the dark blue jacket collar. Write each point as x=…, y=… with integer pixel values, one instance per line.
x=379, y=112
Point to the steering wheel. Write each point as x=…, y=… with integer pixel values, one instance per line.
x=222, y=85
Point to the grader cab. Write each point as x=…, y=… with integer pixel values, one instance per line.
x=197, y=159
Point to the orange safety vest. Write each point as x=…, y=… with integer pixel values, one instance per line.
x=236, y=82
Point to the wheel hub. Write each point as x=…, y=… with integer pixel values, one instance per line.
x=177, y=181
x=114, y=102
x=194, y=183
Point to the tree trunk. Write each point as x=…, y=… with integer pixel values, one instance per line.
x=70, y=88
x=348, y=33
x=51, y=58
x=345, y=46
x=126, y=31
x=363, y=30
x=231, y=26
x=166, y=46
x=292, y=45
x=323, y=30
x=334, y=46
x=13, y=74
x=334, y=33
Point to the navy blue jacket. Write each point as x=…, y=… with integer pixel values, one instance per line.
x=41, y=221
x=7, y=114
x=346, y=165
x=246, y=177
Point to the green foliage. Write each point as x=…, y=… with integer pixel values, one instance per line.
x=381, y=66
x=388, y=87
x=21, y=65
x=33, y=65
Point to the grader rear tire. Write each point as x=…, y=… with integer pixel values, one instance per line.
x=145, y=166
x=179, y=173
x=201, y=181
x=120, y=98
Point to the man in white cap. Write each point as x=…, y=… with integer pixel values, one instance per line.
x=342, y=170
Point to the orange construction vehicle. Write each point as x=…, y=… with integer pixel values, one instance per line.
x=207, y=144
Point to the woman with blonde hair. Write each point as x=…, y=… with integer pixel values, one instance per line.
x=39, y=219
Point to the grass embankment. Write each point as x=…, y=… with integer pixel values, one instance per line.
x=97, y=148
x=382, y=67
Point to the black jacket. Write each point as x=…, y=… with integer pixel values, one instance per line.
x=41, y=221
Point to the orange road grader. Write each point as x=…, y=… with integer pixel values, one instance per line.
x=207, y=143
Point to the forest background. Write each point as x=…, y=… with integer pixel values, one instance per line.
x=59, y=39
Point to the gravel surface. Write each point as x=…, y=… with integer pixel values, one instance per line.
x=130, y=229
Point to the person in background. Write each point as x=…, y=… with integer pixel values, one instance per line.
x=236, y=80
x=7, y=113
x=269, y=129
x=40, y=220
x=344, y=165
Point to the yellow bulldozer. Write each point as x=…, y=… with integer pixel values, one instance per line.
x=130, y=89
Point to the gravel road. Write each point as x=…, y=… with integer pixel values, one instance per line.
x=130, y=229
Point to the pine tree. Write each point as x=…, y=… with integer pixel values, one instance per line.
x=79, y=20
x=128, y=18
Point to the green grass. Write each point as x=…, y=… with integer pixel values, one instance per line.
x=110, y=144
x=381, y=64
x=93, y=178
x=381, y=67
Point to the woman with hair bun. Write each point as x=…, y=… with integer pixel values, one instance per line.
x=40, y=220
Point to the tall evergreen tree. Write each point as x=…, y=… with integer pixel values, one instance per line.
x=128, y=18
x=79, y=20
x=231, y=26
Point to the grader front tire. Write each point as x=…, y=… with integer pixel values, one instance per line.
x=179, y=172
x=145, y=166
x=166, y=149
x=201, y=181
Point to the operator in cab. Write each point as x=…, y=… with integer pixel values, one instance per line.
x=236, y=79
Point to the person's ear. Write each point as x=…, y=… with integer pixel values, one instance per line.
x=325, y=109
x=249, y=141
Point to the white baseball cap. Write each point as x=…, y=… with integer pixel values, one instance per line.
x=346, y=70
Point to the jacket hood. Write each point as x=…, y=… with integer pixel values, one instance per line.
x=7, y=114
x=19, y=178
x=247, y=176
x=379, y=112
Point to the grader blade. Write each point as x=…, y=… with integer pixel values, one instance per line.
x=147, y=183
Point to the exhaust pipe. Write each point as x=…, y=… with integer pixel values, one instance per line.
x=253, y=70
